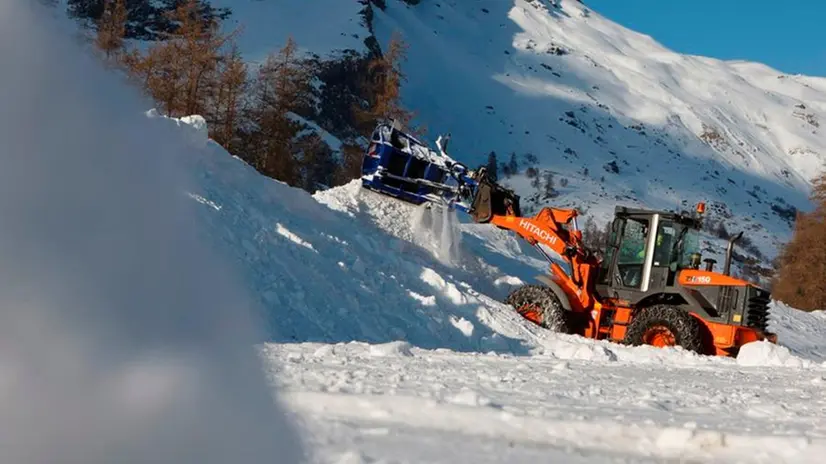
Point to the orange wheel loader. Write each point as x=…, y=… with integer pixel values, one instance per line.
x=647, y=288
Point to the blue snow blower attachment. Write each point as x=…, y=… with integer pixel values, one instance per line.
x=398, y=164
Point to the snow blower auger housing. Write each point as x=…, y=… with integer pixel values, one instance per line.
x=648, y=288
x=399, y=165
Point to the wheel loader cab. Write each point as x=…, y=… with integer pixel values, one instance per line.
x=646, y=251
x=652, y=261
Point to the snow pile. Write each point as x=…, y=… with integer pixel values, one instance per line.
x=391, y=349
x=124, y=338
x=574, y=347
x=768, y=354
x=469, y=397
x=577, y=348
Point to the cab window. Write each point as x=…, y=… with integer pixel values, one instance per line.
x=631, y=258
x=666, y=236
x=632, y=250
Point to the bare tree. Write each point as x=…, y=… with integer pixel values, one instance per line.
x=549, y=187
x=593, y=236
x=492, y=166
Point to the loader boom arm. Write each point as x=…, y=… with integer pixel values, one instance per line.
x=548, y=228
x=553, y=227
x=544, y=228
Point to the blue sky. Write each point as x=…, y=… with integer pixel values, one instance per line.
x=787, y=35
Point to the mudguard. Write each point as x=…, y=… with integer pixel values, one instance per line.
x=563, y=298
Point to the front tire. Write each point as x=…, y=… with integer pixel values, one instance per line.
x=664, y=326
x=540, y=305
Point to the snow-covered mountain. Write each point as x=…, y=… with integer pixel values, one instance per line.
x=617, y=117
x=133, y=246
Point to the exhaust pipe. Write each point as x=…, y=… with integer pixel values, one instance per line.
x=729, y=251
x=709, y=264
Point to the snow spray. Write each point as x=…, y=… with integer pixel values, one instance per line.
x=437, y=230
x=123, y=337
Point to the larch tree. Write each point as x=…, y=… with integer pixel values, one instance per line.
x=351, y=160
x=112, y=29
x=593, y=236
x=197, y=44
x=181, y=72
x=232, y=85
x=385, y=78
x=282, y=90
x=801, y=279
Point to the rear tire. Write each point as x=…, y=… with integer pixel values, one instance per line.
x=663, y=326
x=540, y=305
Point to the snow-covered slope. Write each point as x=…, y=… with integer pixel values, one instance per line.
x=620, y=117
x=389, y=343
x=341, y=268
x=319, y=27
x=123, y=337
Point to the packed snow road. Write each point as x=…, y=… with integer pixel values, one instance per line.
x=395, y=403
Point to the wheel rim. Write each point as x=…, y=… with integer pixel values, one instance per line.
x=659, y=336
x=531, y=312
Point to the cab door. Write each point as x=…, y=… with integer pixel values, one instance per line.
x=662, y=266
x=623, y=271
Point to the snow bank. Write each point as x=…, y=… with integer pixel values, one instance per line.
x=124, y=337
x=391, y=349
x=768, y=354
x=573, y=347
x=803, y=333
